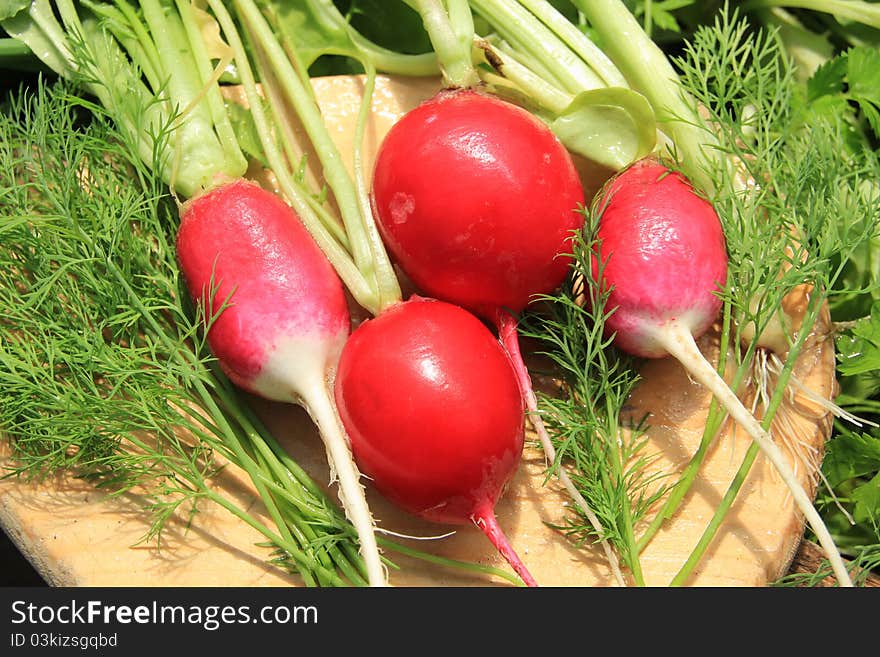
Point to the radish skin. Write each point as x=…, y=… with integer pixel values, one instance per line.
x=663, y=261
x=484, y=220
x=434, y=413
x=278, y=318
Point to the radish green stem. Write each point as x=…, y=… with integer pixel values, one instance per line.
x=284, y=124
x=680, y=343
x=11, y=49
x=649, y=72
x=488, y=523
x=386, y=278
x=395, y=63
x=451, y=32
x=597, y=60
x=360, y=271
x=353, y=278
x=539, y=92
x=300, y=97
x=509, y=338
x=551, y=56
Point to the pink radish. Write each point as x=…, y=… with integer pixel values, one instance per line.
x=283, y=318
x=477, y=200
x=434, y=414
x=663, y=263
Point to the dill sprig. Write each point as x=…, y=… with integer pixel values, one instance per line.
x=104, y=371
x=793, y=203
x=604, y=448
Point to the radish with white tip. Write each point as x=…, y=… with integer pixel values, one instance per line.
x=663, y=263
x=277, y=317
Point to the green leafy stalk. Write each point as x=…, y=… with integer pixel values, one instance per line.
x=867, y=13
x=650, y=72
x=203, y=151
x=451, y=29
x=366, y=269
x=540, y=59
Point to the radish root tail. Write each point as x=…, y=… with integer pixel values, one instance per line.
x=678, y=341
x=351, y=491
x=487, y=522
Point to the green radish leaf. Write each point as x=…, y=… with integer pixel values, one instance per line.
x=851, y=455
x=213, y=41
x=828, y=80
x=9, y=8
x=613, y=126
x=863, y=73
x=866, y=510
x=312, y=29
x=862, y=354
x=389, y=23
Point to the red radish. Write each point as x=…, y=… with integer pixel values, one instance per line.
x=477, y=199
x=360, y=258
x=285, y=321
x=434, y=414
x=663, y=263
x=670, y=257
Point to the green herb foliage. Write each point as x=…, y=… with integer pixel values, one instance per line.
x=102, y=368
x=605, y=449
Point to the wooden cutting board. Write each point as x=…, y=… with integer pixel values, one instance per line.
x=76, y=536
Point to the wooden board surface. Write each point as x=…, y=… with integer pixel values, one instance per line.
x=76, y=536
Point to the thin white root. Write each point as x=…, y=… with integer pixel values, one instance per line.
x=351, y=491
x=411, y=537
x=679, y=342
x=509, y=338
x=565, y=480
x=775, y=365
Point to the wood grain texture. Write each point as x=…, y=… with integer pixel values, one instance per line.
x=75, y=536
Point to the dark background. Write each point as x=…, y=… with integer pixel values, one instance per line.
x=15, y=570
